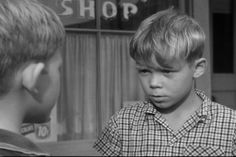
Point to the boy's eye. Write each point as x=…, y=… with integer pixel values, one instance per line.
x=166, y=71
x=143, y=71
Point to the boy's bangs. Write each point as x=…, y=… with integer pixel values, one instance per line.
x=150, y=53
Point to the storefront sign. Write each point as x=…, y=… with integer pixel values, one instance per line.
x=109, y=9
x=113, y=14
x=77, y=11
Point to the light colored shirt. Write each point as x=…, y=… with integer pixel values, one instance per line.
x=12, y=144
x=140, y=130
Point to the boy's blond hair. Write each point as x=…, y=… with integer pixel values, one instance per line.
x=27, y=33
x=165, y=36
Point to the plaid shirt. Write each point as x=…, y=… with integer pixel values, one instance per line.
x=140, y=130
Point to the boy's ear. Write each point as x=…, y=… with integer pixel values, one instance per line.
x=200, y=66
x=31, y=74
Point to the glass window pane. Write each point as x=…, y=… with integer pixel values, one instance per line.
x=77, y=106
x=118, y=76
x=127, y=14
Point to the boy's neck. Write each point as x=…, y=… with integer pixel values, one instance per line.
x=11, y=113
x=180, y=115
x=7, y=124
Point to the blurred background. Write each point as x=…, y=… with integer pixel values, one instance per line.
x=98, y=76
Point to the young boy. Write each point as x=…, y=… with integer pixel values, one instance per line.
x=175, y=119
x=31, y=40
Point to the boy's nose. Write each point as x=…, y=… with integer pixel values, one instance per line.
x=155, y=81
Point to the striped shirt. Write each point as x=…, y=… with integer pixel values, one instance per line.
x=140, y=130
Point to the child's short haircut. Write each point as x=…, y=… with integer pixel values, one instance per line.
x=165, y=36
x=27, y=33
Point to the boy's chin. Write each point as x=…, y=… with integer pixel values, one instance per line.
x=165, y=107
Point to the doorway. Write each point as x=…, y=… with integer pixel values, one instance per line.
x=223, y=39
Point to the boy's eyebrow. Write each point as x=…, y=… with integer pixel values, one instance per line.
x=141, y=66
x=166, y=67
x=137, y=64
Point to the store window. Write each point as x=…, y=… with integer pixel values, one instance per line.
x=98, y=75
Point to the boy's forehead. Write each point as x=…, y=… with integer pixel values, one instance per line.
x=153, y=63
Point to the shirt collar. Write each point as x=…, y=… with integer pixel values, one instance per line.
x=16, y=142
x=202, y=112
x=149, y=108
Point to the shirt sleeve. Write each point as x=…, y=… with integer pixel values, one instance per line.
x=108, y=143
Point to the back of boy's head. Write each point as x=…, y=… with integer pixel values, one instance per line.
x=166, y=36
x=29, y=32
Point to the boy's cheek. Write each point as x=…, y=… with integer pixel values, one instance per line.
x=42, y=86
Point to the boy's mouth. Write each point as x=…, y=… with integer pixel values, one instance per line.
x=158, y=98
